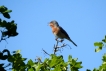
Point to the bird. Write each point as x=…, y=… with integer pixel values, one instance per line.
x=59, y=32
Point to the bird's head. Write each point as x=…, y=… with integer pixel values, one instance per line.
x=53, y=24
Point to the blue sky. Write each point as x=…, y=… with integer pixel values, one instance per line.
x=84, y=21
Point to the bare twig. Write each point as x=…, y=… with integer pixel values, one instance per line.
x=38, y=59
x=45, y=52
x=56, y=47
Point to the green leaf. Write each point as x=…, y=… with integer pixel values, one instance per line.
x=3, y=24
x=99, y=44
x=78, y=65
x=24, y=59
x=98, y=49
x=104, y=66
x=7, y=11
x=88, y=70
x=75, y=59
x=31, y=69
x=69, y=58
x=18, y=51
x=46, y=60
x=73, y=62
x=11, y=59
x=104, y=58
x=104, y=40
x=53, y=60
x=30, y=62
x=74, y=69
x=105, y=37
x=4, y=10
x=6, y=15
x=95, y=69
x=57, y=68
x=38, y=67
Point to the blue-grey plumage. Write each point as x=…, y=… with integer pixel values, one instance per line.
x=59, y=32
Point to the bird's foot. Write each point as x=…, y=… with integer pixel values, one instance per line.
x=61, y=40
x=56, y=39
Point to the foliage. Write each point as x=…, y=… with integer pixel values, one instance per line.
x=5, y=12
x=103, y=66
x=8, y=29
x=53, y=63
x=4, y=57
x=100, y=44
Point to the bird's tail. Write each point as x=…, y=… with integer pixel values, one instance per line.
x=73, y=42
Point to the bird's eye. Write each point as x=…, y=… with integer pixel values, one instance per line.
x=51, y=25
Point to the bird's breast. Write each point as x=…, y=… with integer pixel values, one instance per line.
x=57, y=32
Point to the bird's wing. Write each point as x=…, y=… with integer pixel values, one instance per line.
x=63, y=31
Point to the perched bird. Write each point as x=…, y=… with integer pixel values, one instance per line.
x=59, y=32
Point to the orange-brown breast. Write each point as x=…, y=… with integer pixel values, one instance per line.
x=55, y=30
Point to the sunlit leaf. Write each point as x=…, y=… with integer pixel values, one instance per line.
x=78, y=65
x=38, y=67
x=69, y=58
x=18, y=51
x=31, y=69
x=75, y=59
x=100, y=44
x=7, y=11
x=98, y=49
x=30, y=62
